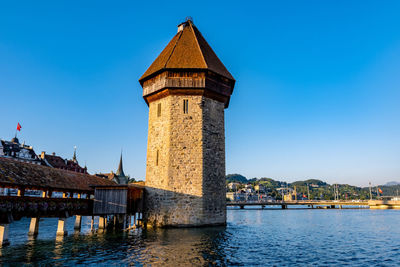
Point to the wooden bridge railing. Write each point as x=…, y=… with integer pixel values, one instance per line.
x=15, y=207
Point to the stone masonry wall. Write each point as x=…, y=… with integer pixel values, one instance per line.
x=157, y=174
x=187, y=188
x=214, y=188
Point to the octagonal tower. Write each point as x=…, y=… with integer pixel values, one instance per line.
x=187, y=89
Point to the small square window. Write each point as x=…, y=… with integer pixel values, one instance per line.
x=157, y=157
x=159, y=110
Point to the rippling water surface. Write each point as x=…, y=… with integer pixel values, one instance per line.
x=252, y=237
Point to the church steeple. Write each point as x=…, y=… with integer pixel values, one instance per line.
x=74, y=157
x=120, y=171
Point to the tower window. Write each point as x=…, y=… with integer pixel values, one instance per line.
x=157, y=156
x=159, y=110
x=185, y=106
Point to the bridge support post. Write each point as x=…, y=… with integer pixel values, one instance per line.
x=102, y=222
x=333, y=206
x=262, y=206
x=34, y=227
x=120, y=221
x=125, y=222
x=4, y=228
x=78, y=223
x=92, y=224
x=61, y=227
x=241, y=207
x=284, y=207
x=115, y=221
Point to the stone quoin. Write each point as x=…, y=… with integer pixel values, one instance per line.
x=187, y=89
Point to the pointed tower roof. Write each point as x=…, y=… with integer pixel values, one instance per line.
x=74, y=157
x=120, y=171
x=187, y=50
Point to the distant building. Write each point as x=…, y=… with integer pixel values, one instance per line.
x=233, y=186
x=119, y=177
x=21, y=152
x=60, y=163
x=248, y=188
x=260, y=188
x=235, y=196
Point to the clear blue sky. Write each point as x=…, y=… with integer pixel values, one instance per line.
x=317, y=92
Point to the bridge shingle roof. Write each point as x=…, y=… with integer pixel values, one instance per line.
x=14, y=173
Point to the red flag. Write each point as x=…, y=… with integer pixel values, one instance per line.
x=380, y=191
x=19, y=127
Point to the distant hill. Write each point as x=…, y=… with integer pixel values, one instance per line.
x=309, y=182
x=323, y=190
x=236, y=178
x=390, y=190
x=392, y=183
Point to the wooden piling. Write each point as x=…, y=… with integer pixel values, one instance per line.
x=4, y=229
x=34, y=227
x=61, y=227
x=92, y=224
x=102, y=222
x=78, y=223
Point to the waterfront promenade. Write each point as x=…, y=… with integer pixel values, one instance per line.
x=331, y=204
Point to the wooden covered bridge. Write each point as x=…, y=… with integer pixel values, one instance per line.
x=62, y=194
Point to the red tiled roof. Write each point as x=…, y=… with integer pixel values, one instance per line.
x=15, y=173
x=60, y=163
x=187, y=50
x=55, y=161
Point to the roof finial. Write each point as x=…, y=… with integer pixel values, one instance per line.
x=189, y=18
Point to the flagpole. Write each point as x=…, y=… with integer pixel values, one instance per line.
x=18, y=129
x=370, y=191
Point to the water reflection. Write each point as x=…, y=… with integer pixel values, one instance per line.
x=157, y=247
x=181, y=247
x=252, y=237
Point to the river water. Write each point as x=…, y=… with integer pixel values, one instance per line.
x=252, y=237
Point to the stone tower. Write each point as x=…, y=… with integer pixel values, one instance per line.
x=187, y=89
